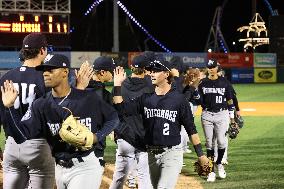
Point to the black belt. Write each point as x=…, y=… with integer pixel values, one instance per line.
x=215, y=110
x=157, y=149
x=68, y=163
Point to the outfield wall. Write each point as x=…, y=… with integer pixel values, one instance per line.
x=239, y=67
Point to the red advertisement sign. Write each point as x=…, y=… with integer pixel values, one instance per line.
x=233, y=60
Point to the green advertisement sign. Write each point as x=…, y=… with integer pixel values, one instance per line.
x=265, y=60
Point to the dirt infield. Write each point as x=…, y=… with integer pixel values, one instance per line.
x=259, y=109
x=183, y=181
x=247, y=109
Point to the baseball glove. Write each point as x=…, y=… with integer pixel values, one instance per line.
x=233, y=130
x=76, y=134
x=203, y=170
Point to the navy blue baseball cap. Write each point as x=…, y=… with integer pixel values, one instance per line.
x=53, y=61
x=212, y=63
x=140, y=61
x=104, y=63
x=34, y=41
x=159, y=65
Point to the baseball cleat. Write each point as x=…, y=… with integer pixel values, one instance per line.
x=211, y=177
x=225, y=162
x=188, y=151
x=221, y=171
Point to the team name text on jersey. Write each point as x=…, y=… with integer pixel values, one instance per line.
x=167, y=114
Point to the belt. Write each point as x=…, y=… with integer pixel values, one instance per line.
x=68, y=163
x=215, y=110
x=157, y=149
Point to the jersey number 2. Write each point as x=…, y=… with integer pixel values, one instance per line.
x=166, y=130
x=27, y=96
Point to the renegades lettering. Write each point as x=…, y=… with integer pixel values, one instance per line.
x=55, y=127
x=213, y=90
x=167, y=114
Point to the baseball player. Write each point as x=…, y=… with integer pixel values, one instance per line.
x=130, y=143
x=176, y=70
x=221, y=73
x=216, y=100
x=22, y=166
x=163, y=112
x=29, y=164
x=103, y=69
x=75, y=168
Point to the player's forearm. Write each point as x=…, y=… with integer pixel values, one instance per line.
x=107, y=128
x=117, y=98
x=197, y=144
x=231, y=108
x=195, y=139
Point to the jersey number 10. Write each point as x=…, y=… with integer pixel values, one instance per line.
x=219, y=99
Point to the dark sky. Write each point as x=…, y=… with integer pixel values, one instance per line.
x=182, y=26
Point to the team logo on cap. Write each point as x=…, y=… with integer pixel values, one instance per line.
x=48, y=57
x=210, y=62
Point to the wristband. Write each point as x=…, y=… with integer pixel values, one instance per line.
x=117, y=91
x=232, y=114
x=198, y=150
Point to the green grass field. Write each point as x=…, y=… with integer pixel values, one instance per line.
x=256, y=157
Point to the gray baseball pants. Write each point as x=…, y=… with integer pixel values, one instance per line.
x=28, y=165
x=166, y=167
x=82, y=175
x=215, y=125
x=126, y=156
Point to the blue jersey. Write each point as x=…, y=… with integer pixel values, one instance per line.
x=30, y=85
x=162, y=116
x=46, y=115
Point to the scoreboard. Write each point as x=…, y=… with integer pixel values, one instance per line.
x=29, y=23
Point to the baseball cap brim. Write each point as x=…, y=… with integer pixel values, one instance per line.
x=157, y=66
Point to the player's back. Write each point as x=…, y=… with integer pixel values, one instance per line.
x=30, y=86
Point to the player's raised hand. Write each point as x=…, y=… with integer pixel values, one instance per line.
x=9, y=93
x=119, y=76
x=84, y=75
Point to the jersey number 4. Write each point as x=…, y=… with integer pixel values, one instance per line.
x=27, y=94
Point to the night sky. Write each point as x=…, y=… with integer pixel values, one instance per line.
x=181, y=26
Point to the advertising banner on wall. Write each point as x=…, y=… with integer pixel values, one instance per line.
x=265, y=60
x=3, y=72
x=242, y=75
x=233, y=60
x=239, y=60
x=265, y=75
x=77, y=58
x=195, y=60
x=9, y=59
x=120, y=58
